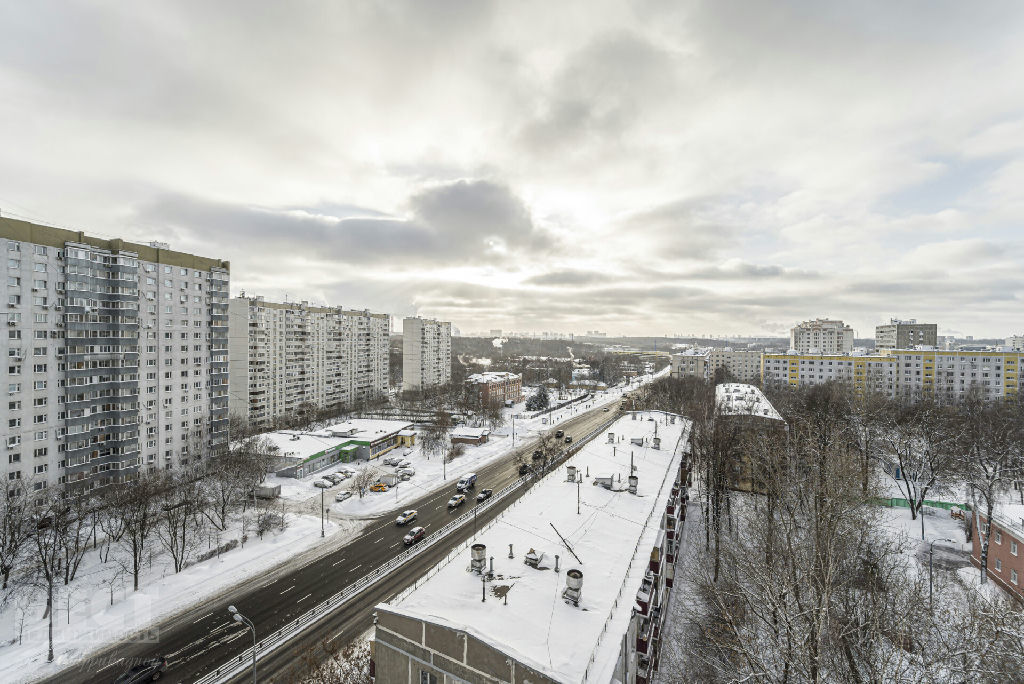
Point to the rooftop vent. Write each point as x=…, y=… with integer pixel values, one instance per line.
x=573, y=587
x=478, y=558
x=656, y=443
x=533, y=559
x=633, y=480
x=611, y=437
x=570, y=473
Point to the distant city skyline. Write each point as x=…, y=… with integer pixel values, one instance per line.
x=626, y=166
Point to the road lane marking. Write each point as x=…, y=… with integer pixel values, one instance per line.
x=379, y=540
x=287, y=590
x=119, y=660
x=202, y=618
x=358, y=566
x=338, y=561
x=304, y=598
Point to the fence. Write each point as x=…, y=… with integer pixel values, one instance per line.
x=270, y=643
x=897, y=502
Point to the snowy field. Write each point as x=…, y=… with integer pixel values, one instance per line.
x=93, y=622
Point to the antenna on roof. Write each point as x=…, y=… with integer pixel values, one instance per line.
x=566, y=544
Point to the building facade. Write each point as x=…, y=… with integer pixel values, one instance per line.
x=1005, y=549
x=948, y=375
x=116, y=357
x=1015, y=342
x=899, y=334
x=426, y=353
x=692, y=362
x=285, y=355
x=821, y=336
x=483, y=388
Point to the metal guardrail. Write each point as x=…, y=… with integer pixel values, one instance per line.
x=276, y=639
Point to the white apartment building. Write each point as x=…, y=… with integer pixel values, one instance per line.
x=426, y=353
x=1015, y=342
x=821, y=336
x=695, y=362
x=116, y=357
x=742, y=364
x=284, y=355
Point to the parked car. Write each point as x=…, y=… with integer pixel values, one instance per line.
x=379, y=487
x=568, y=439
x=344, y=474
x=403, y=476
x=404, y=464
x=484, y=494
x=559, y=434
x=407, y=470
x=341, y=496
x=391, y=460
x=456, y=501
x=333, y=477
x=524, y=469
x=323, y=484
x=415, y=534
x=405, y=517
x=148, y=671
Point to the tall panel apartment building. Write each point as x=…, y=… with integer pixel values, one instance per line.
x=821, y=336
x=116, y=357
x=284, y=355
x=899, y=334
x=426, y=353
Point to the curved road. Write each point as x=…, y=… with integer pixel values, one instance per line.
x=203, y=638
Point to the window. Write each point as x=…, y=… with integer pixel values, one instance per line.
x=39, y=268
x=999, y=537
x=1013, y=547
x=999, y=565
x=1013, y=576
x=427, y=678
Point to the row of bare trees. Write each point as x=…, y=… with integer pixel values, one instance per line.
x=796, y=581
x=46, y=534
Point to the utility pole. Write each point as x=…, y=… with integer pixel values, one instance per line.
x=321, y=512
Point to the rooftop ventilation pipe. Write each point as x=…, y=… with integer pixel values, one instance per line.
x=478, y=558
x=573, y=587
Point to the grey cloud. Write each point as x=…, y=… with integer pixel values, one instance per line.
x=473, y=211
x=691, y=228
x=568, y=278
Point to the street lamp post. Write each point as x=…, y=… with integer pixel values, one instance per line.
x=321, y=512
x=931, y=550
x=241, y=619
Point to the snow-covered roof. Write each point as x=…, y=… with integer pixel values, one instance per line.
x=537, y=627
x=492, y=376
x=740, y=399
x=470, y=432
x=693, y=351
x=295, y=444
x=366, y=429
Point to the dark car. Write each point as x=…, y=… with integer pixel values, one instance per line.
x=559, y=434
x=568, y=439
x=538, y=455
x=524, y=469
x=484, y=495
x=415, y=534
x=148, y=671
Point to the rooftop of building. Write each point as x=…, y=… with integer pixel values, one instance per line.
x=367, y=428
x=305, y=306
x=612, y=536
x=155, y=252
x=492, y=376
x=740, y=399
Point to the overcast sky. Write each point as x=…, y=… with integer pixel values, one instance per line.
x=635, y=167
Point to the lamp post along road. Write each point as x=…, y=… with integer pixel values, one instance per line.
x=931, y=551
x=241, y=619
x=321, y=512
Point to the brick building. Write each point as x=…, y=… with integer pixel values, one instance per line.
x=483, y=388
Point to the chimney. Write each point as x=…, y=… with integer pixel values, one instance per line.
x=573, y=587
x=633, y=479
x=570, y=473
x=478, y=558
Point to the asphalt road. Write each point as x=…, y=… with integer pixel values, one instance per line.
x=204, y=638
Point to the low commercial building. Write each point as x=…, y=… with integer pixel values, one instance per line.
x=484, y=388
x=546, y=594
x=897, y=334
x=303, y=453
x=470, y=435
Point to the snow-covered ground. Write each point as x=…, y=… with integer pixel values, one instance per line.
x=94, y=623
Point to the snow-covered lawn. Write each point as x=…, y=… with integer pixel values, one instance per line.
x=94, y=623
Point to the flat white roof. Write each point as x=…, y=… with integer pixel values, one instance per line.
x=296, y=444
x=492, y=376
x=472, y=432
x=537, y=627
x=366, y=429
x=740, y=399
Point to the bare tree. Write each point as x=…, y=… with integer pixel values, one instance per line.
x=50, y=523
x=15, y=527
x=180, y=520
x=434, y=439
x=136, y=502
x=80, y=526
x=363, y=478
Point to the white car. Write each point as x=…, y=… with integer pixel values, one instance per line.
x=323, y=484
x=407, y=470
x=342, y=496
x=405, y=517
x=404, y=464
x=391, y=460
x=333, y=477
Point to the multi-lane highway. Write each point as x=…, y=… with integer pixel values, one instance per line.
x=204, y=637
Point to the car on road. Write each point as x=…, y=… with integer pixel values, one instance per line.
x=379, y=487
x=323, y=484
x=524, y=469
x=456, y=501
x=146, y=671
x=538, y=455
x=484, y=495
x=606, y=410
x=405, y=517
x=415, y=534
x=568, y=439
x=559, y=434
x=467, y=482
x=342, y=496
